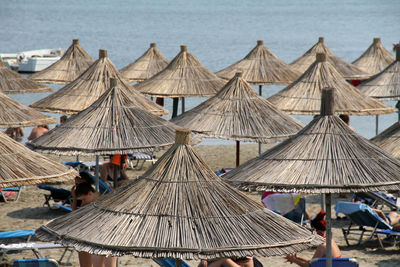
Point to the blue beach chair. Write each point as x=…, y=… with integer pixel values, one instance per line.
x=35, y=263
x=14, y=190
x=169, y=262
x=17, y=234
x=365, y=220
x=336, y=262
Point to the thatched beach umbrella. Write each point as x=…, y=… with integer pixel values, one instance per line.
x=261, y=67
x=304, y=95
x=386, y=84
x=325, y=157
x=389, y=139
x=14, y=114
x=13, y=83
x=181, y=209
x=237, y=113
x=375, y=59
x=89, y=86
x=146, y=66
x=347, y=70
x=185, y=76
x=21, y=166
x=74, y=61
x=113, y=124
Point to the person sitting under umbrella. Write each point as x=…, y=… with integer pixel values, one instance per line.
x=38, y=131
x=392, y=218
x=319, y=224
x=15, y=133
x=108, y=168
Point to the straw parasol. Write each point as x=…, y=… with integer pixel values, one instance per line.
x=14, y=114
x=146, y=66
x=375, y=59
x=237, y=113
x=347, y=70
x=261, y=67
x=89, y=86
x=113, y=124
x=21, y=166
x=386, y=84
x=389, y=139
x=184, y=76
x=14, y=83
x=325, y=157
x=304, y=95
x=181, y=209
x=75, y=61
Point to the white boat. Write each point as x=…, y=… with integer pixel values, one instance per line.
x=31, y=61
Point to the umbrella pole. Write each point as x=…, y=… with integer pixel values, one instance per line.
x=323, y=202
x=237, y=153
x=260, y=93
x=175, y=102
x=178, y=263
x=183, y=105
x=328, y=231
x=96, y=174
x=115, y=173
x=376, y=124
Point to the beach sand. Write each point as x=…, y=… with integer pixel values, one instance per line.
x=29, y=213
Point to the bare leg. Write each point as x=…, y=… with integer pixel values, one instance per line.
x=224, y=263
x=110, y=261
x=85, y=259
x=98, y=261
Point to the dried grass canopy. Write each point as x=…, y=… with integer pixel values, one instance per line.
x=179, y=208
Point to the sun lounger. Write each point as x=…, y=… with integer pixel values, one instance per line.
x=168, y=262
x=8, y=191
x=376, y=199
x=56, y=195
x=34, y=247
x=35, y=263
x=336, y=262
x=17, y=234
x=365, y=221
x=140, y=158
x=222, y=171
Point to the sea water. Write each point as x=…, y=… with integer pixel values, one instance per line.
x=217, y=32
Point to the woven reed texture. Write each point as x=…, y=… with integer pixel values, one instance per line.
x=304, y=95
x=386, y=84
x=21, y=166
x=15, y=114
x=238, y=113
x=326, y=156
x=389, y=140
x=375, y=59
x=185, y=76
x=89, y=86
x=260, y=67
x=347, y=70
x=146, y=66
x=13, y=83
x=179, y=208
x=113, y=124
x=74, y=61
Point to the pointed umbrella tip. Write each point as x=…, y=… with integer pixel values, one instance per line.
x=377, y=40
x=153, y=45
x=238, y=73
x=327, y=101
x=103, y=53
x=75, y=41
x=182, y=136
x=183, y=48
x=321, y=39
x=321, y=57
x=260, y=42
x=113, y=82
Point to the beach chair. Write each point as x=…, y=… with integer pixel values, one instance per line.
x=56, y=195
x=17, y=234
x=222, y=171
x=364, y=220
x=378, y=199
x=35, y=263
x=168, y=262
x=336, y=262
x=8, y=193
x=289, y=205
x=140, y=158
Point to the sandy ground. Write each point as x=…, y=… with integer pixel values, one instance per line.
x=29, y=213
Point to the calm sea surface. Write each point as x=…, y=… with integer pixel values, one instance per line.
x=217, y=32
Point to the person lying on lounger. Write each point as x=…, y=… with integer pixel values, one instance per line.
x=319, y=224
x=392, y=218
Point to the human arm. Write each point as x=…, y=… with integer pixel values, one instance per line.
x=300, y=261
x=74, y=198
x=382, y=215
